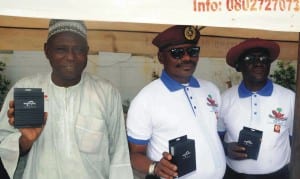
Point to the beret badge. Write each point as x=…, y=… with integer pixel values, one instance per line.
x=190, y=33
x=175, y=35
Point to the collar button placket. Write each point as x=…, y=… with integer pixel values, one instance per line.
x=255, y=108
x=191, y=99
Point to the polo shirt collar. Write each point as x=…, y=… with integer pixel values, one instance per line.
x=173, y=85
x=265, y=91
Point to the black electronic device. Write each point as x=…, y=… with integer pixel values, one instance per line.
x=251, y=140
x=183, y=154
x=29, y=107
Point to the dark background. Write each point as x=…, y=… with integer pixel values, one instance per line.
x=3, y=173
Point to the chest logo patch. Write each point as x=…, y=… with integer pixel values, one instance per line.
x=213, y=104
x=278, y=119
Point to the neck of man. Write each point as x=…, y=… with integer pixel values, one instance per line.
x=255, y=85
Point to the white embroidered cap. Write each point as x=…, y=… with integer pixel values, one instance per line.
x=62, y=25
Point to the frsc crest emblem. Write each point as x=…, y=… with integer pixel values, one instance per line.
x=190, y=33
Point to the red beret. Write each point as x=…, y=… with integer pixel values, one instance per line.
x=235, y=52
x=175, y=35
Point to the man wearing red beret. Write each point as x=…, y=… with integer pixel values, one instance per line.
x=256, y=116
x=177, y=104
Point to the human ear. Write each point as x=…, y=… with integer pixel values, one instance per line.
x=160, y=57
x=46, y=50
x=237, y=67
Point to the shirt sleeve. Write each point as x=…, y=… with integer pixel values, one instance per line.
x=119, y=154
x=139, y=124
x=9, y=139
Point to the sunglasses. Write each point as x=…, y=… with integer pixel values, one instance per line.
x=178, y=53
x=253, y=59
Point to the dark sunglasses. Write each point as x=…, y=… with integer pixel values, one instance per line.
x=178, y=53
x=253, y=59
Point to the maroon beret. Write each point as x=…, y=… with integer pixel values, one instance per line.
x=175, y=35
x=235, y=52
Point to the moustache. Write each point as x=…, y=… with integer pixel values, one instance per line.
x=186, y=63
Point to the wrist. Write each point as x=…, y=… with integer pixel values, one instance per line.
x=151, y=170
x=24, y=145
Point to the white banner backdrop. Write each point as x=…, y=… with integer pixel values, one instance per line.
x=277, y=15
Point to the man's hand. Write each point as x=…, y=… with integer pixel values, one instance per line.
x=28, y=135
x=236, y=152
x=164, y=168
x=139, y=160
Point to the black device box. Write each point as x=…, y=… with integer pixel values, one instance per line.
x=251, y=140
x=29, y=107
x=183, y=154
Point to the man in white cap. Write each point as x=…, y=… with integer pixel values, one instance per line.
x=83, y=136
x=256, y=116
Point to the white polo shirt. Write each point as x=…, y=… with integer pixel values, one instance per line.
x=270, y=110
x=165, y=109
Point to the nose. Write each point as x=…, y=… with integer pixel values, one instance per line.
x=258, y=62
x=70, y=54
x=185, y=57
